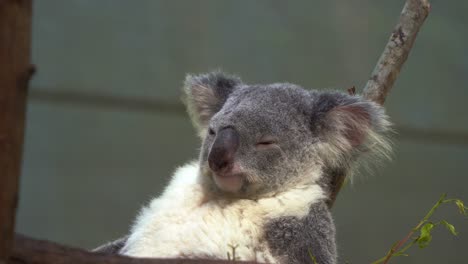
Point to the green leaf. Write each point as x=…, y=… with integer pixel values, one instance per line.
x=461, y=207
x=425, y=237
x=450, y=227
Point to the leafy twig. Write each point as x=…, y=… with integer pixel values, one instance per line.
x=425, y=228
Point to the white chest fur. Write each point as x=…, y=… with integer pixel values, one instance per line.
x=181, y=224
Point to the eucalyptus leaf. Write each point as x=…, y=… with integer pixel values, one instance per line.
x=450, y=227
x=425, y=237
x=461, y=207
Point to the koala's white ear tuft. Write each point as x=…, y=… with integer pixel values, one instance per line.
x=351, y=125
x=352, y=122
x=206, y=94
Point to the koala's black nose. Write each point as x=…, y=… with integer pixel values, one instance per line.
x=221, y=157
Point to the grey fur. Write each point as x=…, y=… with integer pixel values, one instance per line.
x=295, y=240
x=205, y=95
x=329, y=133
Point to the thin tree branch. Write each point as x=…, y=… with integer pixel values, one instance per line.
x=32, y=251
x=397, y=50
x=390, y=63
x=15, y=71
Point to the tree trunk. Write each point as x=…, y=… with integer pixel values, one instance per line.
x=15, y=71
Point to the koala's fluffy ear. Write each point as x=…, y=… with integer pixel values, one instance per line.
x=206, y=94
x=351, y=125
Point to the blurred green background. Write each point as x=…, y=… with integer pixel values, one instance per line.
x=106, y=128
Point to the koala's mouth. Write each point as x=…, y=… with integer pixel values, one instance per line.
x=229, y=182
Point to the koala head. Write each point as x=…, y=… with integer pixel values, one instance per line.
x=261, y=139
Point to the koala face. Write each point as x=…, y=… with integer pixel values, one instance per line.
x=258, y=140
x=261, y=139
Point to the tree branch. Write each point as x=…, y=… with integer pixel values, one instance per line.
x=390, y=63
x=32, y=251
x=15, y=71
x=397, y=50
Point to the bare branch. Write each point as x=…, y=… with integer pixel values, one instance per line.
x=390, y=63
x=31, y=251
x=15, y=71
x=397, y=50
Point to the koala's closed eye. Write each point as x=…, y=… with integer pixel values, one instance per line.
x=266, y=143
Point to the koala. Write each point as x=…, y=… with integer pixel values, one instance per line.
x=261, y=183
